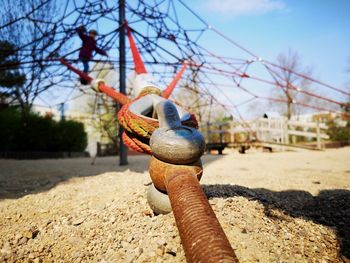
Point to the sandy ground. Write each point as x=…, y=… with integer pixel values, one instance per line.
x=274, y=207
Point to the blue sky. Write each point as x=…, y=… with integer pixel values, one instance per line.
x=318, y=30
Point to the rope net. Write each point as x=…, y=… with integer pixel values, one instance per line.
x=234, y=82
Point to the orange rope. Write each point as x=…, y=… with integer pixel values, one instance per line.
x=119, y=97
x=167, y=92
x=77, y=71
x=139, y=66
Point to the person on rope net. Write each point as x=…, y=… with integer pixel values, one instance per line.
x=88, y=47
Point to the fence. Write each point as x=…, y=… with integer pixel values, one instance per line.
x=264, y=130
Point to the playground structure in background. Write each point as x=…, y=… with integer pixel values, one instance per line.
x=231, y=82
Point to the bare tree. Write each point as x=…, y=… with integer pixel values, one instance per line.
x=290, y=85
x=30, y=25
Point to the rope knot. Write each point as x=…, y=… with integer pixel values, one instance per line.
x=150, y=90
x=139, y=120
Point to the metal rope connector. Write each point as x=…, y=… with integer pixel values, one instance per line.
x=175, y=169
x=173, y=142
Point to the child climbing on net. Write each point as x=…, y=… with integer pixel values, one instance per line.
x=88, y=47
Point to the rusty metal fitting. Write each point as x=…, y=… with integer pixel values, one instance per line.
x=202, y=237
x=159, y=170
x=173, y=146
x=158, y=201
x=174, y=142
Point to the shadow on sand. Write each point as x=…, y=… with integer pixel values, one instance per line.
x=20, y=178
x=329, y=208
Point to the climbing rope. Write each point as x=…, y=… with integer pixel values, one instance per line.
x=138, y=128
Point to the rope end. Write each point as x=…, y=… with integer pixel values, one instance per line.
x=96, y=83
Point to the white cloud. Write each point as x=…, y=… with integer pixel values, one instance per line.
x=244, y=7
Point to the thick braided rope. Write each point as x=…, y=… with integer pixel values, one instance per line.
x=138, y=130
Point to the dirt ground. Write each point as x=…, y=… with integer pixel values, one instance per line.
x=274, y=207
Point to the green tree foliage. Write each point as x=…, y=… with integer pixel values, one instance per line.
x=39, y=133
x=10, y=77
x=10, y=123
x=338, y=133
x=71, y=136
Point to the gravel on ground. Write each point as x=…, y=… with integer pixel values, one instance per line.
x=274, y=207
